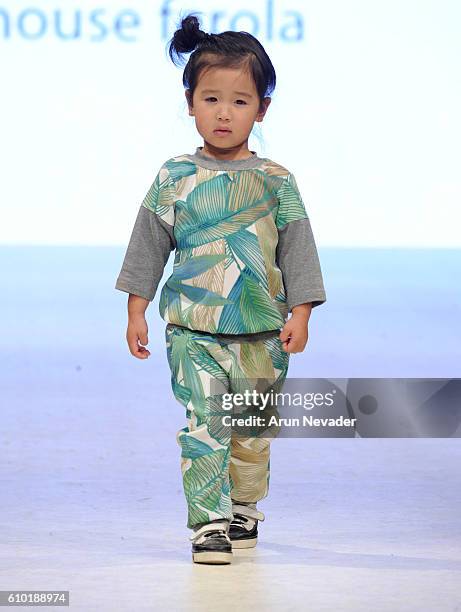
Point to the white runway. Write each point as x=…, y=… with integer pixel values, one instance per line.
x=91, y=493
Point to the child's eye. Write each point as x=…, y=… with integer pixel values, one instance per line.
x=213, y=98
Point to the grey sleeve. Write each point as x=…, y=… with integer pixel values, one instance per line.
x=150, y=245
x=298, y=260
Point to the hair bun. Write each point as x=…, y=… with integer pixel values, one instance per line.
x=186, y=38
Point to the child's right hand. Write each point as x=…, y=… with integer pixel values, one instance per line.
x=136, y=335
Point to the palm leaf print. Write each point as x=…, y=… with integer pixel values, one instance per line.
x=220, y=432
x=210, y=201
x=172, y=300
x=208, y=363
x=229, y=362
x=280, y=302
x=181, y=393
x=179, y=169
x=197, y=294
x=231, y=318
x=225, y=276
x=160, y=197
x=274, y=170
x=187, y=315
x=256, y=361
x=198, y=264
x=193, y=448
x=228, y=261
x=191, y=268
x=279, y=356
x=204, y=174
x=181, y=362
x=245, y=245
x=252, y=309
x=246, y=187
x=203, y=317
x=291, y=206
x=207, y=232
x=257, y=308
x=203, y=484
x=267, y=240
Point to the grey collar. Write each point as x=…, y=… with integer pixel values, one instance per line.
x=211, y=163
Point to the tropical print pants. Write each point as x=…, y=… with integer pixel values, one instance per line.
x=221, y=463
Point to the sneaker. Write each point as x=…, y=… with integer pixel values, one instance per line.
x=243, y=529
x=211, y=543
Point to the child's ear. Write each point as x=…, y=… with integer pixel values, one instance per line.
x=189, y=102
x=264, y=106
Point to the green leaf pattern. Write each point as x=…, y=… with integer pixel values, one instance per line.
x=225, y=278
x=202, y=368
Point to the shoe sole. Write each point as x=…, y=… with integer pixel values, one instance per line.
x=249, y=543
x=218, y=558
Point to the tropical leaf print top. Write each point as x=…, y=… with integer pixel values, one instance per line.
x=244, y=249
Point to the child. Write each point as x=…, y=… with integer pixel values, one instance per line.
x=245, y=257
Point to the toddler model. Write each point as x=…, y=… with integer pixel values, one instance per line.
x=245, y=257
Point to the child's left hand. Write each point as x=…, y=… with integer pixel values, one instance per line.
x=294, y=333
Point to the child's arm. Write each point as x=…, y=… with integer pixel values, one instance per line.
x=298, y=260
x=149, y=248
x=137, y=330
x=294, y=334
x=152, y=240
x=151, y=243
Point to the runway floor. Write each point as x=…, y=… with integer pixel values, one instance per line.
x=91, y=493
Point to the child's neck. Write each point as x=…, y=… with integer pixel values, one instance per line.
x=231, y=153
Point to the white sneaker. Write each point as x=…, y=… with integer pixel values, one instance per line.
x=211, y=543
x=243, y=529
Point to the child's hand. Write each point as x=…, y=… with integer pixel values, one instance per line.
x=294, y=333
x=136, y=334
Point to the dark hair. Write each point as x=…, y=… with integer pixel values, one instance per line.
x=229, y=50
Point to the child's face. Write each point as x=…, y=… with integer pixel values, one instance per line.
x=226, y=98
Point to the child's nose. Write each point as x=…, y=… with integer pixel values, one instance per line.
x=223, y=112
